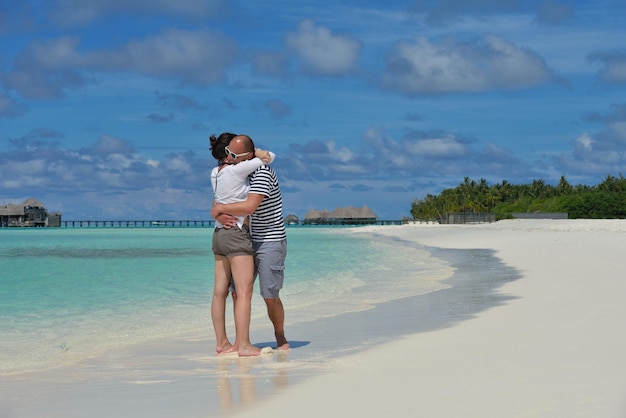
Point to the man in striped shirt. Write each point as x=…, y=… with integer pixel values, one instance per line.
x=267, y=230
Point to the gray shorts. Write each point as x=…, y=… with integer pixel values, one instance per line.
x=232, y=241
x=269, y=265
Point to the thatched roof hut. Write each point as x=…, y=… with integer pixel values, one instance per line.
x=345, y=215
x=11, y=210
x=19, y=209
x=352, y=213
x=316, y=214
x=31, y=212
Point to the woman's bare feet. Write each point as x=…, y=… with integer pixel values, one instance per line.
x=249, y=351
x=226, y=349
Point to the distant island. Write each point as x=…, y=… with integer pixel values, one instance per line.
x=504, y=200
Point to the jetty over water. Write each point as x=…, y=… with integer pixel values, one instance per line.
x=203, y=223
x=32, y=213
x=139, y=224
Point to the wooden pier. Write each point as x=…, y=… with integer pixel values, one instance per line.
x=200, y=224
x=138, y=224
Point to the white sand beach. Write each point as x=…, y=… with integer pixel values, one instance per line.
x=556, y=349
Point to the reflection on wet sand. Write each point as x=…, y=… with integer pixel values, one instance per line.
x=240, y=378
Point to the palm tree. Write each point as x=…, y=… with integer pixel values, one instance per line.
x=538, y=189
x=564, y=188
x=610, y=184
x=493, y=197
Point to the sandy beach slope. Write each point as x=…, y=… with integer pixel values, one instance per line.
x=556, y=348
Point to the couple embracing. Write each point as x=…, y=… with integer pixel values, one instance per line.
x=249, y=240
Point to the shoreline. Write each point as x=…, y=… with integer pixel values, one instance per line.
x=186, y=365
x=493, y=348
x=554, y=348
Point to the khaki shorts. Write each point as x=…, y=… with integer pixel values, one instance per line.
x=232, y=241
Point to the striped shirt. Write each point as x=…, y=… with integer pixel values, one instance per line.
x=267, y=222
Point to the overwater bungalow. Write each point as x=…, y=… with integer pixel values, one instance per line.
x=340, y=216
x=30, y=213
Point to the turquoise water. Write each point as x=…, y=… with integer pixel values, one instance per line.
x=72, y=293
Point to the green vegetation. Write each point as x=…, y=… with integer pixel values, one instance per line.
x=606, y=200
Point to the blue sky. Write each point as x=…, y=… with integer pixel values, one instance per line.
x=106, y=106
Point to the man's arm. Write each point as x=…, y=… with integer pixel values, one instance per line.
x=246, y=207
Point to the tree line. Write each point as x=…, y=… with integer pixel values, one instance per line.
x=603, y=201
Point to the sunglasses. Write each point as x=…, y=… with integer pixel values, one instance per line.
x=233, y=155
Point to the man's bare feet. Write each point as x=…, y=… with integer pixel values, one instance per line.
x=281, y=343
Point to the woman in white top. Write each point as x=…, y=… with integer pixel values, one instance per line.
x=232, y=247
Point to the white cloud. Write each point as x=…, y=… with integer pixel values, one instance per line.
x=80, y=12
x=584, y=142
x=597, y=154
x=322, y=52
x=153, y=163
x=46, y=68
x=444, y=147
x=178, y=163
x=199, y=57
x=196, y=57
x=421, y=67
x=110, y=145
x=614, y=65
x=342, y=154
